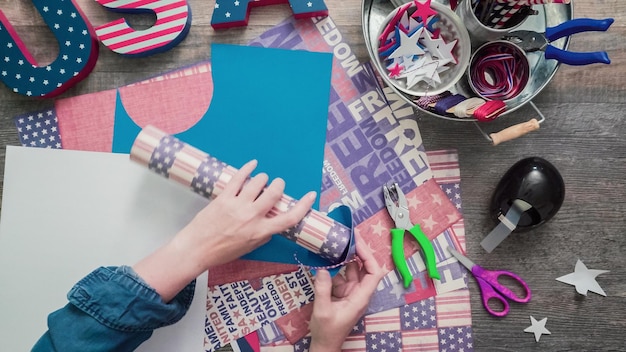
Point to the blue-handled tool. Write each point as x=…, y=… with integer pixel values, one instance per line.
x=531, y=41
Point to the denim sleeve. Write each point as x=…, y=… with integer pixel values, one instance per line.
x=111, y=309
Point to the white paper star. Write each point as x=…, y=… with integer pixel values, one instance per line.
x=445, y=49
x=408, y=45
x=584, y=279
x=538, y=327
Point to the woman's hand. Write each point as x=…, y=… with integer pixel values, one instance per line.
x=233, y=224
x=237, y=221
x=340, y=302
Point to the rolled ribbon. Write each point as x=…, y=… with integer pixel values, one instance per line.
x=467, y=107
x=490, y=110
x=208, y=176
x=425, y=102
x=499, y=71
x=442, y=106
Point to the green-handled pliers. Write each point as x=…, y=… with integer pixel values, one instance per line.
x=398, y=209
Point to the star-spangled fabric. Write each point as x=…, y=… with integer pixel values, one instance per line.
x=39, y=129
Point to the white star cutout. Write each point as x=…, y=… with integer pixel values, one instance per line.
x=538, y=327
x=408, y=45
x=584, y=279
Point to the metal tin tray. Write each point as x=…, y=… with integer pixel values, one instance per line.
x=374, y=13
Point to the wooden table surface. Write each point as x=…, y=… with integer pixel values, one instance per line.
x=582, y=136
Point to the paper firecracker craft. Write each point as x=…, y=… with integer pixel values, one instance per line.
x=208, y=176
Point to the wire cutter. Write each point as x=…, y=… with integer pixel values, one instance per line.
x=398, y=209
x=531, y=41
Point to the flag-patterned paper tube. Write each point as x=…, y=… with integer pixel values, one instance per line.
x=208, y=176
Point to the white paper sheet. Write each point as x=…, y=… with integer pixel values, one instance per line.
x=65, y=213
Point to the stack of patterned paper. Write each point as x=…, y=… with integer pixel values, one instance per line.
x=372, y=138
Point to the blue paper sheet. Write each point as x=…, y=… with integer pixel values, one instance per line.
x=270, y=105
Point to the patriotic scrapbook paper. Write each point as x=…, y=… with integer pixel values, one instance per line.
x=438, y=323
x=362, y=120
x=39, y=129
x=372, y=139
x=239, y=308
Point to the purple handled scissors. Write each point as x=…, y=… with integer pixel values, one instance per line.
x=490, y=288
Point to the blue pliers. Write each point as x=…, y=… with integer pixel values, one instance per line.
x=531, y=41
x=398, y=209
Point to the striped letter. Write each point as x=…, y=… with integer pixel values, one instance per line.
x=78, y=52
x=171, y=27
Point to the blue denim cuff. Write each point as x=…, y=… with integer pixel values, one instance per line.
x=119, y=299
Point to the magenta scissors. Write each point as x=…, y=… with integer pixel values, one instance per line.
x=490, y=288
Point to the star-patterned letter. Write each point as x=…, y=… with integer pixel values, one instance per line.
x=235, y=13
x=78, y=52
x=173, y=19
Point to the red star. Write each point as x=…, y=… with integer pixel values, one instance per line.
x=252, y=321
x=297, y=294
x=423, y=11
x=236, y=314
x=395, y=71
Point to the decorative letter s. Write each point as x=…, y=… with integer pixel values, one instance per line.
x=171, y=27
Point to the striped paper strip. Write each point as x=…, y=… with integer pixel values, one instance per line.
x=207, y=176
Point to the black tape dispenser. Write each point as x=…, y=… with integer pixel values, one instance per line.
x=530, y=193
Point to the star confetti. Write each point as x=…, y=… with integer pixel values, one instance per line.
x=412, y=50
x=423, y=11
x=395, y=70
x=584, y=279
x=538, y=327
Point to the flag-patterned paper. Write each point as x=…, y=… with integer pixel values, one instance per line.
x=39, y=129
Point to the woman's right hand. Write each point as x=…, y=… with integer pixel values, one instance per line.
x=341, y=301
